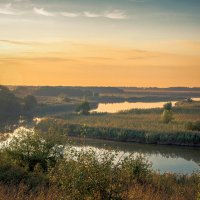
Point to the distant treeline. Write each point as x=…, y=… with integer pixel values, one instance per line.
x=91, y=91
x=167, y=89
x=67, y=90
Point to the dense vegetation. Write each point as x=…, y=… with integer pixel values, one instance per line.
x=45, y=166
x=11, y=107
x=190, y=138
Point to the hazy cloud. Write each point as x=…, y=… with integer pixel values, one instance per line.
x=116, y=14
x=16, y=42
x=92, y=15
x=9, y=10
x=41, y=11
x=70, y=14
x=13, y=42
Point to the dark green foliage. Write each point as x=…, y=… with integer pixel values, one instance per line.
x=34, y=151
x=167, y=106
x=11, y=173
x=83, y=108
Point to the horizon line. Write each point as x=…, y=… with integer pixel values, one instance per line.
x=99, y=86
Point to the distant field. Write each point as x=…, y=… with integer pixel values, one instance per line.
x=146, y=122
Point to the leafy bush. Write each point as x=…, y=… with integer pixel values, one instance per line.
x=29, y=149
x=88, y=175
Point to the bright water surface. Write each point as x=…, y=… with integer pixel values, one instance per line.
x=117, y=107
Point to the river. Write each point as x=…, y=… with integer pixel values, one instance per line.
x=163, y=158
x=117, y=107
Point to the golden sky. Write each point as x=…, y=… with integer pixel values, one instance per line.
x=74, y=43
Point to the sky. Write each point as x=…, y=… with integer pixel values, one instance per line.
x=100, y=42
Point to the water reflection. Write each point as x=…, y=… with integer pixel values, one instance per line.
x=116, y=107
x=196, y=99
x=163, y=158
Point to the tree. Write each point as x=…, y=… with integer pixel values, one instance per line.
x=83, y=108
x=10, y=107
x=167, y=106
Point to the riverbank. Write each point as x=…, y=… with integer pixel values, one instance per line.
x=164, y=137
x=37, y=167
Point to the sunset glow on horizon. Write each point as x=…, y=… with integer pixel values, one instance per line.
x=100, y=43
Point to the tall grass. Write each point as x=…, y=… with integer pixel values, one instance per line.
x=155, y=136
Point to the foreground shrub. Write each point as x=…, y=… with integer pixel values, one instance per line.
x=27, y=172
x=88, y=175
x=34, y=151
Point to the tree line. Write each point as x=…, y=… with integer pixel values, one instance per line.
x=12, y=107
